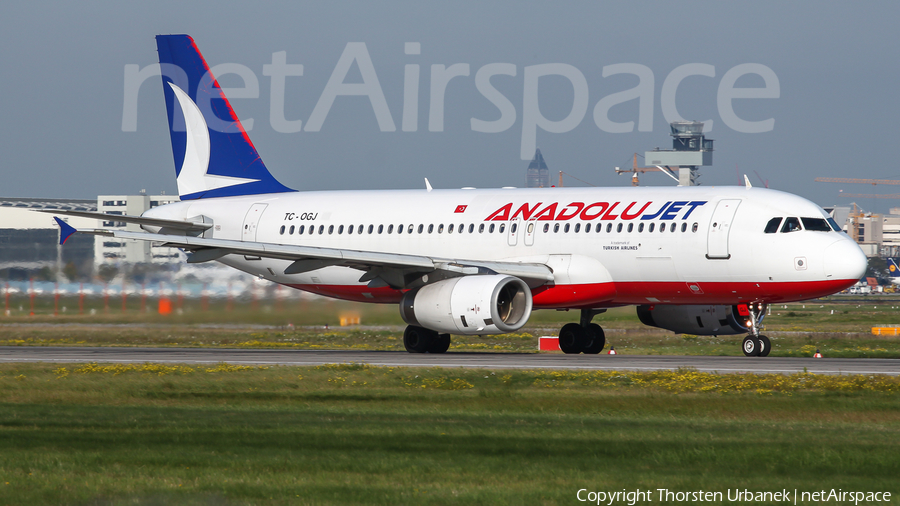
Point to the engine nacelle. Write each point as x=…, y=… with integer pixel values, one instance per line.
x=469, y=305
x=698, y=320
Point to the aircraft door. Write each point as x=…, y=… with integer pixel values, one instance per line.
x=719, y=228
x=251, y=222
x=530, y=231
x=515, y=227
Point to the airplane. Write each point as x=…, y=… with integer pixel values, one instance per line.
x=698, y=260
x=894, y=270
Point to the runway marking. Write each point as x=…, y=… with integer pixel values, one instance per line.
x=772, y=365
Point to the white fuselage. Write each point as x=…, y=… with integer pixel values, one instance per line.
x=717, y=252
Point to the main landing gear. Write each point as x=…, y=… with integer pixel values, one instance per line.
x=422, y=340
x=756, y=344
x=584, y=337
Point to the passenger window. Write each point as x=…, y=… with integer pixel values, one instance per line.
x=816, y=224
x=471, y=227
x=608, y=228
x=371, y=228
x=340, y=230
x=450, y=229
x=491, y=228
x=441, y=228
x=291, y=231
x=390, y=229
x=651, y=227
x=421, y=228
x=481, y=228
x=530, y=228
x=672, y=228
x=461, y=228
x=360, y=228
x=556, y=228
x=662, y=227
x=619, y=228
x=502, y=227
x=790, y=225
x=430, y=228
x=587, y=228
x=546, y=227
x=514, y=227
x=630, y=227
x=301, y=229
x=399, y=229
x=350, y=230
x=330, y=229
x=321, y=229
x=684, y=227
x=567, y=228
x=578, y=227
x=282, y=230
x=380, y=228
x=694, y=227
x=641, y=227
x=772, y=225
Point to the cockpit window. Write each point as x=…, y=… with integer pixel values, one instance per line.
x=790, y=225
x=816, y=224
x=834, y=225
x=772, y=226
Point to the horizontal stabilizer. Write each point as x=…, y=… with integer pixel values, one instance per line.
x=174, y=225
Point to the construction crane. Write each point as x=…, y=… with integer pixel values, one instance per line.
x=573, y=177
x=850, y=180
x=870, y=196
x=635, y=170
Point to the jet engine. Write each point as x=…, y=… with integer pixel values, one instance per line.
x=697, y=320
x=469, y=305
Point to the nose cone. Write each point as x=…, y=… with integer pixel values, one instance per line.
x=845, y=260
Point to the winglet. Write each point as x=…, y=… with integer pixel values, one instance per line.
x=65, y=230
x=428, y=185
x=747, y=182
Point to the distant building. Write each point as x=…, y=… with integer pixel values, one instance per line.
x=877, y=234
x=538, y=175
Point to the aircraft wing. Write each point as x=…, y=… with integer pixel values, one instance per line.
x=382, y=269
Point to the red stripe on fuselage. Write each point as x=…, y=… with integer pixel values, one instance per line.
x=625, y=293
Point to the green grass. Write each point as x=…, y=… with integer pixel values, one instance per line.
x=355, y=434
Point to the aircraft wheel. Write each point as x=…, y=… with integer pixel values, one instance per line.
x=597, y=339
x=765, y=346
x=572, y=338
x=441, y=344
x=750, y=346
x=418, y=339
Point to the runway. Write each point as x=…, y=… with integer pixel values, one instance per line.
x=781, y=365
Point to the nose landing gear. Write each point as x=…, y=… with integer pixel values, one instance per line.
x=756, y=344
x=584, y=337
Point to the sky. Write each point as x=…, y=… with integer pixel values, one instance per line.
x=825, y=76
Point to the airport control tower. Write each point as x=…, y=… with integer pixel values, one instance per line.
x=690, y=150
x=538, y=175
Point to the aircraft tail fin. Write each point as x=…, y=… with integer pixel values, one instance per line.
x=893, y=268
x=214, y=156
